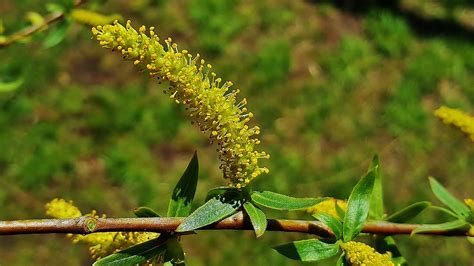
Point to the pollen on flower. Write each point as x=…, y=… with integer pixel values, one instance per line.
x=360, y=254
x=457, y=118
x=212, y=106
x=100, y=244
x=328, y=207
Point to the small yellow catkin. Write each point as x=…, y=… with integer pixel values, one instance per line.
x=457, y=118
x=210, y=104
x=328, y=207
x=100, y=244
x=360, y=254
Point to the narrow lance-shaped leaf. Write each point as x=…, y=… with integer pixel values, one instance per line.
x=136, y=254
x=57, y=34
x=409, y=212
x=145, y=212
x=448, y=199
x=308, y=250
x=183, y=193
x=376, y=201
x=212, y=211
x=358, y=206
x=277, y=201
x=334, y=224
x=257, y=218
x=443, y=227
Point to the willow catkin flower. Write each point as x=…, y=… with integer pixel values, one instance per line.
x=457, y=118
x=360, y=254
x=100, y=244
x=328, y=207
x=209, y=101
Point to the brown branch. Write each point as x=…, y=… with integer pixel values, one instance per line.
x=87, y=225
x=48, y=20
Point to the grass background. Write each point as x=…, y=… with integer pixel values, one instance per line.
x=330, y=84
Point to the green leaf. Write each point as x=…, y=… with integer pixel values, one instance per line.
x=57, y=34
x=277, y=201
x=409, y=212
x=449, y=200
x=183, y=193
x=340, y=212
x=145, y=212
x=212, y=211
x=174, y=254
x=308, y=250
x=342, y=260
x=8, y=86
x=443, y=227
x=334, y=224
x=376, y=211
x=257, y=217
x=136, y=254
x=385, y=244
x=358, y=206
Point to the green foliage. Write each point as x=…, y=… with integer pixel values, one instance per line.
x=449, y=200
x=136, y=254
x=376, y=200
x=212, y=211
x=334, y=224
x=358, y=206
x=257, y=217
x=278, y=201
x=308, y=250
x=183, y=193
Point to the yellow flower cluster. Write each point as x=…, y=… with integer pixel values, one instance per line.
x=100, y=244
x=208, y=101
x=328, y=207
x=92, y=18
x=360, y=254
x=457, y=118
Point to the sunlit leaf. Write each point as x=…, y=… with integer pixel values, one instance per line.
x=257, y=218
x=308, y=250
x=136, y=254
x=443, y=227
x=449, y=200
x=183, y=193
x=277, y=201
x=334, y=224
x=358, y=206
x=376, y=211
x=212, y=211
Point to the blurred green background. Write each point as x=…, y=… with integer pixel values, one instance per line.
x=330, y=84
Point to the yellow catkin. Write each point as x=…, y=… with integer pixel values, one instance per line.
x=360, y=254
x=92, y=18
x=457, y=118
x=328, y=207
x=210, y=103
x=100, y=244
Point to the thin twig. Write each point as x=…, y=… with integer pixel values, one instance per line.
x=86, y=225
x=30, y=30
